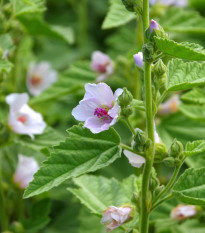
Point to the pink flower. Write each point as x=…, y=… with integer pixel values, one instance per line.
x=153, y=25
x=22, y=118
x=134, y=159
x=99, y=108
x=114, y=217
x=25, y=170
x=138, y=59
x=40, y=77
x=182, y=212
x=102, y=64
x=170, y=106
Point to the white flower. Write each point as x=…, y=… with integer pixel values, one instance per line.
x=40, y=77
x=25, y=170
x=22, y=118
x=182, y=212
x=102, y=64
x=134, y=159
x=99, y=108
x=138, y=58
x=169, y=106
x=114, y=217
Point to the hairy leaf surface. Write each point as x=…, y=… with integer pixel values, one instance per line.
x=82, y=152
x=194, y=147
x=188, y=51
x=97, y=193
x=190, y=187
x=196, y=112
x=196, y=95
x=184, y=75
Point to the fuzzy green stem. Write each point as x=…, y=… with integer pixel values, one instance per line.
x=162, y=200
x=145, y=199
x=130, y=126
x=3, y=214
x=169, y=185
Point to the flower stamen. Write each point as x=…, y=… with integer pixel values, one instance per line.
x=102, y=113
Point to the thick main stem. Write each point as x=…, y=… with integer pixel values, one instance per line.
x=145, y=199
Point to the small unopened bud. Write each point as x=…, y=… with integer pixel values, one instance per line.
x=153, y=25
x=171, y=162
x=159, y=68
x=148, y=52
x=154, y=183
x=161, y=152
x=158, y=190
x=140, y=137
x=176, y=149
x=125, y=98
x=126, y=112
x=138, y=57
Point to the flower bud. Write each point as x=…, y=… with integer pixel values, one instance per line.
x=160, y=152
x=153, y=25
x=17, y=227
x=125, y=98
x=171, y=162
x=176, y=149
x=158, y=190
x=159, y=68
x=113, y=217
x=148, y=52
x=140, y=137
x=154, y=183
x=138, y=58
x=126, y=112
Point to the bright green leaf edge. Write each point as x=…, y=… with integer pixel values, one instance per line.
x=64, y=164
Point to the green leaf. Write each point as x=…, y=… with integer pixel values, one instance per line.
x=183, y=21
x=184, y=75
x=82, y=152
x=36, y=26
x=117, y=15
x=5, y=66
x=49, y=138
x=138, y=104
x=193, y=148
x=69, y=82
x=28, y=6
x=190, y=187
x=196, y=95
x=38, y=216
x=196, y=112
x=188, y=51
x=97, y=193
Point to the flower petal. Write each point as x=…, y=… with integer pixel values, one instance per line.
x=101, y=91
x=96, y=125
x=16, y=101
x=134, y=159
x=85, y=109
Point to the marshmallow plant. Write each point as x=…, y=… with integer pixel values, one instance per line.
x=164, y=68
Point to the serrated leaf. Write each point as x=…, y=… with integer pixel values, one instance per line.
x=82, y=152
x=195, y=147
x=27, y=6
x=183, y=21
x=97, y=193
x=184, y=75
x=117, y=15
x=196, y=95
x=70, y=81
x=190, y=187
x=36, y=26
x=196, y=112
x=188, y=51
x=5, y=66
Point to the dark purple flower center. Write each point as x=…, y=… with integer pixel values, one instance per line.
x=102, y=113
